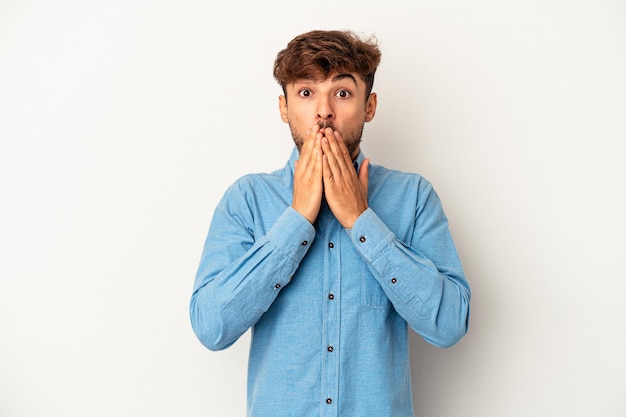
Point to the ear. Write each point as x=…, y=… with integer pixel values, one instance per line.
x=282, y=106
x=370, y=107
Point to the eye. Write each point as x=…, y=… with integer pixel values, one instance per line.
x=305, y=92
x=343, y=94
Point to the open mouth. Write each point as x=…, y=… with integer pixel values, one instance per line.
x=324, y=125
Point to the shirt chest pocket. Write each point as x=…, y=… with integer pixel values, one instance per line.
x=372, y=294
x=360, y=279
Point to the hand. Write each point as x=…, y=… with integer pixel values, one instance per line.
x=307, y=177
x=345, y=191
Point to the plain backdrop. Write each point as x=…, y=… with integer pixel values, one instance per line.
x=123, y=122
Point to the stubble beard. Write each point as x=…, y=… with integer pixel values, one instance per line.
x=352, y=138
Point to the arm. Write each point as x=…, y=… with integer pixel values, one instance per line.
x=240, y=275
x=423, y=278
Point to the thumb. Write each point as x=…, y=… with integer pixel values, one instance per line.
x=363, y=172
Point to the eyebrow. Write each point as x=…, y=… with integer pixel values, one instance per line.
x=340, y=77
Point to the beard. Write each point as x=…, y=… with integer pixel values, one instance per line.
x=351, y=138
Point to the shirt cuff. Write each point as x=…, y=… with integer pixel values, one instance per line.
x=292, y=234
x=370, y=235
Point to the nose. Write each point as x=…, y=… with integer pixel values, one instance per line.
x=325, y=110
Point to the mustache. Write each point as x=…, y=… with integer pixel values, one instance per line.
x=325, y=124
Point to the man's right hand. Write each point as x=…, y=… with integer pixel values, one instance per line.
x=307, y=179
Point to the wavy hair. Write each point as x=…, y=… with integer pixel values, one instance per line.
x=317, y=54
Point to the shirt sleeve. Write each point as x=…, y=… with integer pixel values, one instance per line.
x=423, y=278
x=240, y=274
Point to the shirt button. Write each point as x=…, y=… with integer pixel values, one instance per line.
x=393, y=280
x=330, y=348
x=331, y=296
x=362, y=239
x=329, y=400
x=331, y=245
x=277, y=286
x=305, y=242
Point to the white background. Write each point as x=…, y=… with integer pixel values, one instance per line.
x=123, y=122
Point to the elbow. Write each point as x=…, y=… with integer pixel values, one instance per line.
x=208, y=330
x=208, y=339
x=455, y=323
x=448, y=330
x=450, y=337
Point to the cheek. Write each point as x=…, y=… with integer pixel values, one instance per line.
x=354, y=118
x=298, y=118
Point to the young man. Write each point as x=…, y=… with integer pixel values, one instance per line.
x=329, y=258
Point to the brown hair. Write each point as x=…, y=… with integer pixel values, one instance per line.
x=317, y=54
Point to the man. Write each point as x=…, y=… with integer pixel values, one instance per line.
x=329, y=258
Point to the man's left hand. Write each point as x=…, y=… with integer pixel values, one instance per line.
x=345, y=191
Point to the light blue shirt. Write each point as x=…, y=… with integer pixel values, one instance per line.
x=329, y=307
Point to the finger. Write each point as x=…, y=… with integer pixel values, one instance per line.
x=307, y=143
x=327, y=172
x=317, y=157
x=363, y=173
x=309, y=147
x=332, y=169
x=313, y=168
x=343, y=149
x=335, y=143
x=341, y=158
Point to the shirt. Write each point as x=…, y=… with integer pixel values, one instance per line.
x=329, y=307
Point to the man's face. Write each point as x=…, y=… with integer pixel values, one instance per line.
x=337, y=102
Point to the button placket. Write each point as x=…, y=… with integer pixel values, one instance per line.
x=332, y=311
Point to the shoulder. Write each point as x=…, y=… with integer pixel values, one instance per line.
x=259, y=189
x=254, y=180
x=383, y=176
